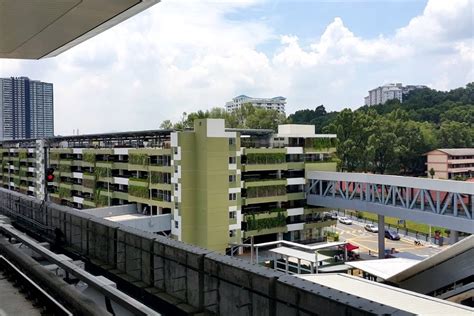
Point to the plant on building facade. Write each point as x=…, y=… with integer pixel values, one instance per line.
x=54, y=155
x=16, y=181
x=64, y=192
x=138, y=159
x=265, y=223
x=102, y=172
x=16, y=163
x=138, y=191
x=88, y=157
x=272, y=158
x=271, y=190
x=321, y=143
x=23, y=172
x=23, y=155
x=88, y=183
x=159, y=177
x=332, y=235
x=64, y=168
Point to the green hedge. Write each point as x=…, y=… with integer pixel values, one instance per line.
x=138, y=159
x=138, y=191
x=333, y=235
x=64, y=168
x=321, y=143
x=23, y=155
x=257, y=159
x=265, y=223
x=102, y=172
x=64, y=192
x=23, y=173
x=271, y=190
x=88, y=157
x=54, y=155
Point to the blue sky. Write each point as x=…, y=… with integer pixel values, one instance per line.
x=185, y=55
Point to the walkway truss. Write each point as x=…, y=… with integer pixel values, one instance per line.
x=443, y=203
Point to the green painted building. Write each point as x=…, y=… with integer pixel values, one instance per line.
x=219, y=186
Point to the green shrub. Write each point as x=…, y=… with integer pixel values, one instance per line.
x=102, y=172
x=138, y=191
x=138, y=159
x=271, y=190
x=64, y=168
x=64, y=192
x=265, y=223
x=23, y=155
x=88, y=157
x=272, y=158
x=23, y=172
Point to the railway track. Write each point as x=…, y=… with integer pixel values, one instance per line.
x=27, y=298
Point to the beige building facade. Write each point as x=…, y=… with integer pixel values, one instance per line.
x=450, y=163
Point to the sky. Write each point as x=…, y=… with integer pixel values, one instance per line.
x=186, y=55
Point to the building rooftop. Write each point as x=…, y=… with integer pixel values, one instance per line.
x=383, y=268
x=455, y=151
x=404, y=300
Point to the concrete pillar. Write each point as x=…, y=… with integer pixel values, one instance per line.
x=256, y=255
x=286, y=264
x=299, y=266
x=454, y=236
x=381, y=235
x=317, y=262
x=280, y=236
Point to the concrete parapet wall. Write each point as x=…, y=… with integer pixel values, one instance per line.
x=193, y=278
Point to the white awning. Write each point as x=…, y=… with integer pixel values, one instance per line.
x=384, y=268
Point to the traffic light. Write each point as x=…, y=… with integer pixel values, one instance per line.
x=49, y=175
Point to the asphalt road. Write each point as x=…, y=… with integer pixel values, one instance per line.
x=367, y=241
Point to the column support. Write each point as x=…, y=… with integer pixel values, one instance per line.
x=381, y=236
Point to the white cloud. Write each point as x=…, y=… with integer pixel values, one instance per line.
x=180, y=57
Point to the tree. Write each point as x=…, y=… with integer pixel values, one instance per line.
x=432, y=173
x=166, y=124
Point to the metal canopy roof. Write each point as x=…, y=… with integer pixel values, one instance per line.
x=384, y=268
x=31, y=29
x=298, y=254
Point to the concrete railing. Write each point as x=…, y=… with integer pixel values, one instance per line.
x=190, y=278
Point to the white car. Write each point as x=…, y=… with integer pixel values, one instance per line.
x=371, y=228
x=345, y=220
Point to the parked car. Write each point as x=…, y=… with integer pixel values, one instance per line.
x=345, y=220
x=371, y=228
x=333, y=215
x=392, y=235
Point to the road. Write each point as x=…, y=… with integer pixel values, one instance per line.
x=367, y=241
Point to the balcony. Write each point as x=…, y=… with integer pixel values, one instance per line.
x=263, y=182
x=320, y=224
x=295, y=196
x=321, y=166
x=274, y=230
x=138, y=182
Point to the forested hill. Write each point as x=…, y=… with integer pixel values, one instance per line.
x=392, y=137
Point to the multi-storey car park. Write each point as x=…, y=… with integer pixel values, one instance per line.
x=210, y=186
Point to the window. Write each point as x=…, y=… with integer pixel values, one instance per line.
x=176, y=150
x=231, y=141
x=176, y=187
x=232, y=178
x=232, y=160
x=231, y=233
x=232, y=196
x=176, y=224
x=175, y=169
x=232, y=214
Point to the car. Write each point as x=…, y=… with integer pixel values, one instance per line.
x=371, y=228
x=333, y=215
x=392, y=235
x=345, y=220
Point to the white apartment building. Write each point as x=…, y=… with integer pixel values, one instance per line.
x=390, y=91
x=276, y=103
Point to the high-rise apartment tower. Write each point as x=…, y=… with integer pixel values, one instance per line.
x=26, y=108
